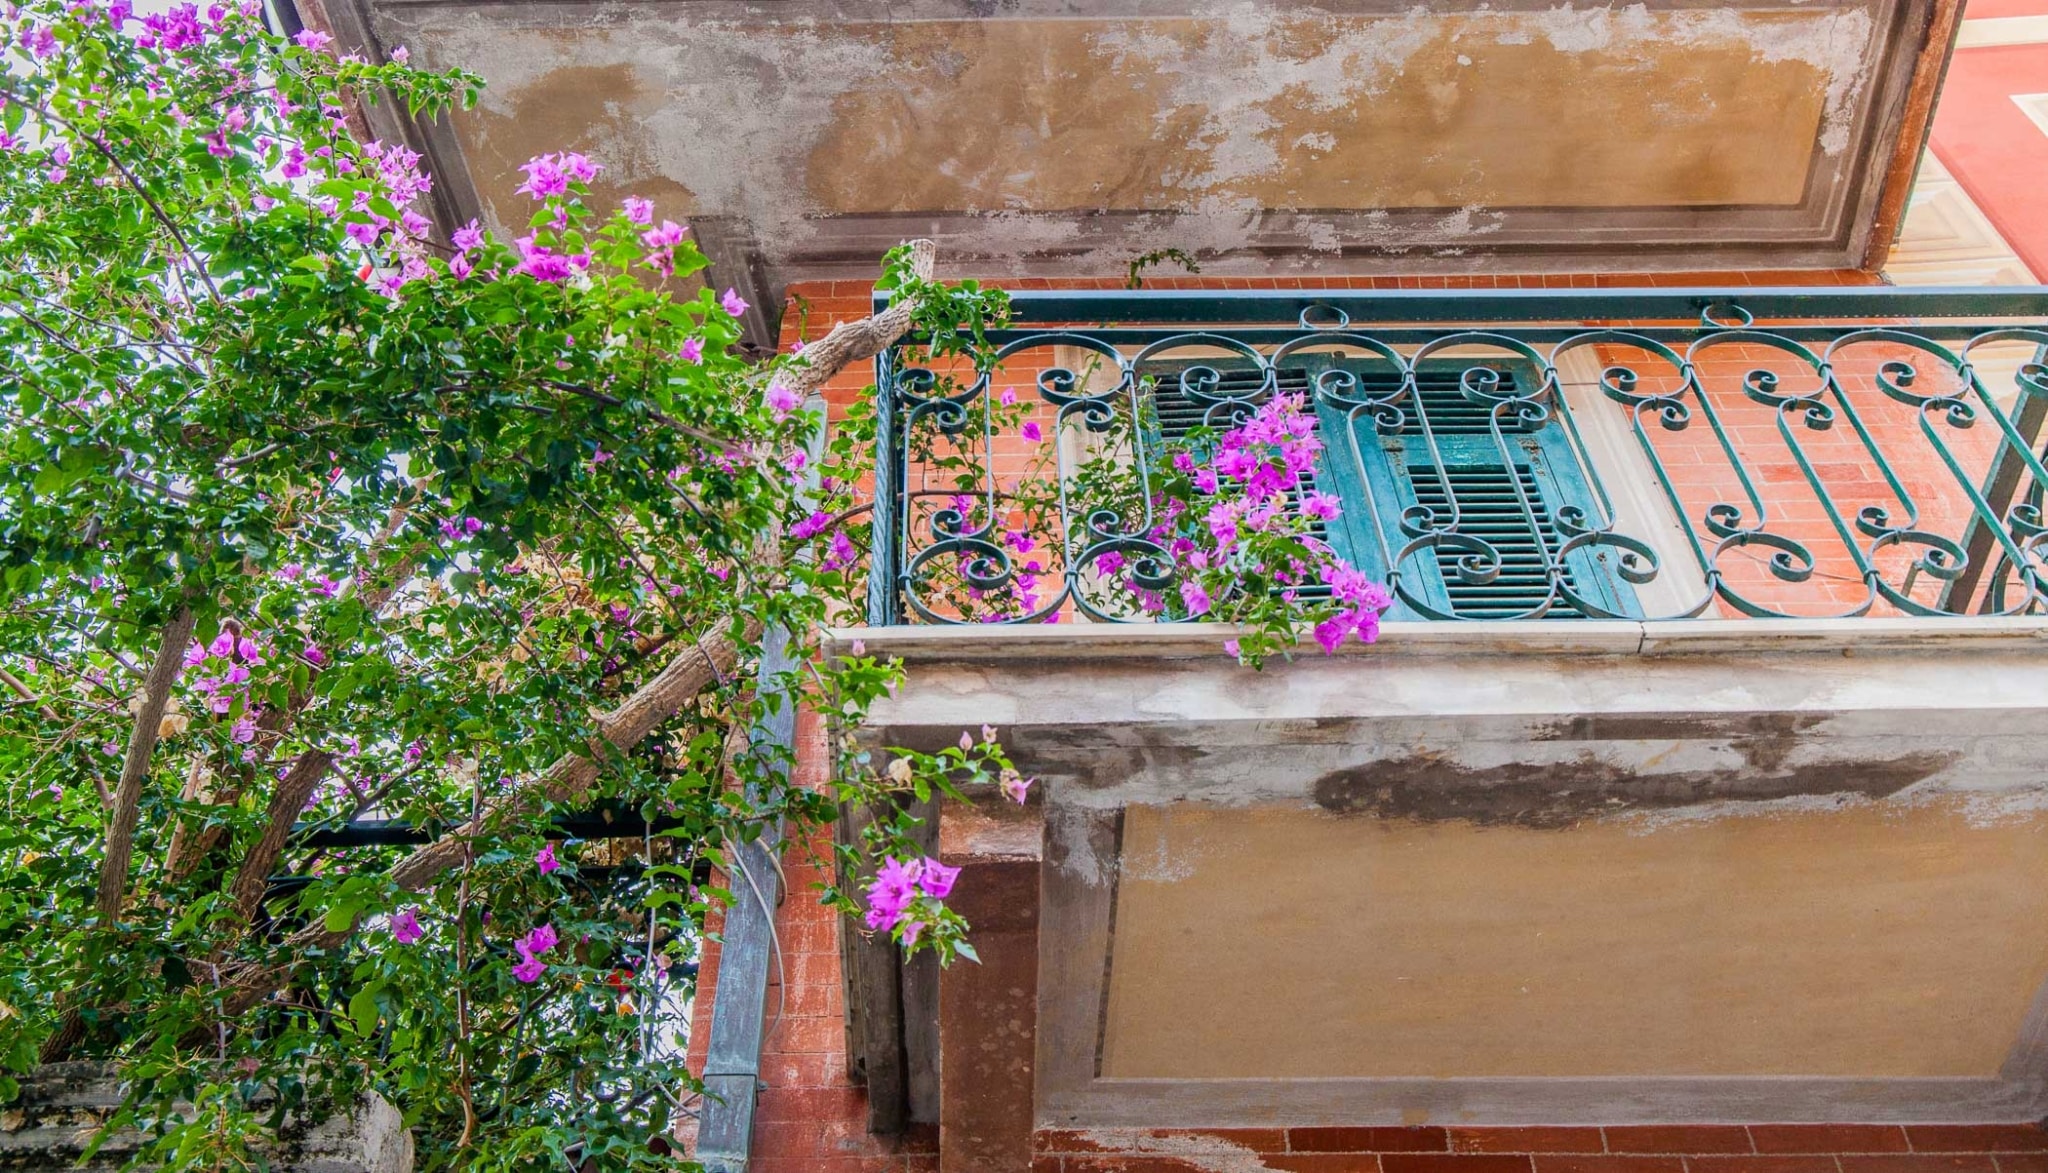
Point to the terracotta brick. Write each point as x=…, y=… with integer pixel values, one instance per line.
x=1046, y=1164
x=1324, y=1163
x=1919, y=1163
x=1368, y=1140
x=2022, y=1162
x=1977, y=1138
x=1129, y=1164
x=1678, y=1138
x=1558, y=1163
x=1453, y=1163
x=1799, y=1164
x=1527, y=1140
x=1828, y=1138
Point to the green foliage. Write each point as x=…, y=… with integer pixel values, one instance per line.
x=435, y=509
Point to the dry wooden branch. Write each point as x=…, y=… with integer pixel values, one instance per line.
x=286, y=803
x=850, y=342
x=156, y=692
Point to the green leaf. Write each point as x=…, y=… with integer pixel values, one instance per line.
x=362, y=1009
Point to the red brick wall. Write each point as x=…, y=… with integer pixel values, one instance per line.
x=1733, y=1148
x=812, y=1117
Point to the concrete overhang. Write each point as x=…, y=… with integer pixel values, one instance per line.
x=1513, y=873
x=1047, y=137
x=1495, y=722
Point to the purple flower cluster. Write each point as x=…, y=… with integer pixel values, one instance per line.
x=661, y=242
x=405, y=926
x=529, y=948
x=900, y=882
x=227, y=663
x=1245, y=491
x=549, y=176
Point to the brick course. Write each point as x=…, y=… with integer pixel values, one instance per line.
x=1718, y=1148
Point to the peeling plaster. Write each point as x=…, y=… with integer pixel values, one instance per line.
x=735, y=114
x=1207, y=1153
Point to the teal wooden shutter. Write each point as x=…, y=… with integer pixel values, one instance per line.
x=1402, y=474
x=1470, y=473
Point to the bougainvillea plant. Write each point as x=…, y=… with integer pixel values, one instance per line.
x=313, y=511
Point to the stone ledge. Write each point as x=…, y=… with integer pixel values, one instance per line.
x=62, y=1106
x=974, y=643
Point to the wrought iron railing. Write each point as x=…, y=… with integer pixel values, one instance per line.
x=1542, y=454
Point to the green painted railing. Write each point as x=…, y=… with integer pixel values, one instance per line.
x=1538, y=454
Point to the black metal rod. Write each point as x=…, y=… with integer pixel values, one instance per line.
x=599, y=823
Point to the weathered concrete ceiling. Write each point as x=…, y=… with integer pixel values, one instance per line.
x=1044, y=137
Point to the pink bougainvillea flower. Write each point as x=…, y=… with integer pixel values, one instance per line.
x=734, y=304
x=401, y=55
x=244, y=730
x=782, y=400
x=314, y=656
x=1016, y=787
x=541, y=939
x=1330, y=633
x=966, y=741
x=223, y=644
x=1196, y=598
x=546, y=860
x=1321, y=506
x=1031, y=432
x=468, y=236
x=639, y=211
x=692, y=350
x=840, y=553
x=529, y=969
x=405, y=926
x=811, y=526
x=544, y=177
x=936, y=879
x=542, y=263
x=891, y=891
x=313, y=39
x=669, y=235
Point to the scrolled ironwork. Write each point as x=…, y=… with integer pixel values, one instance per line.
x=1773, y=459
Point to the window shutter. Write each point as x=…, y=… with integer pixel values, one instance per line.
x=1402, y=474
x=1469, y=473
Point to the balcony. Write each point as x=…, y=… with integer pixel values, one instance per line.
x=1774, y=454
x=1697, y=775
